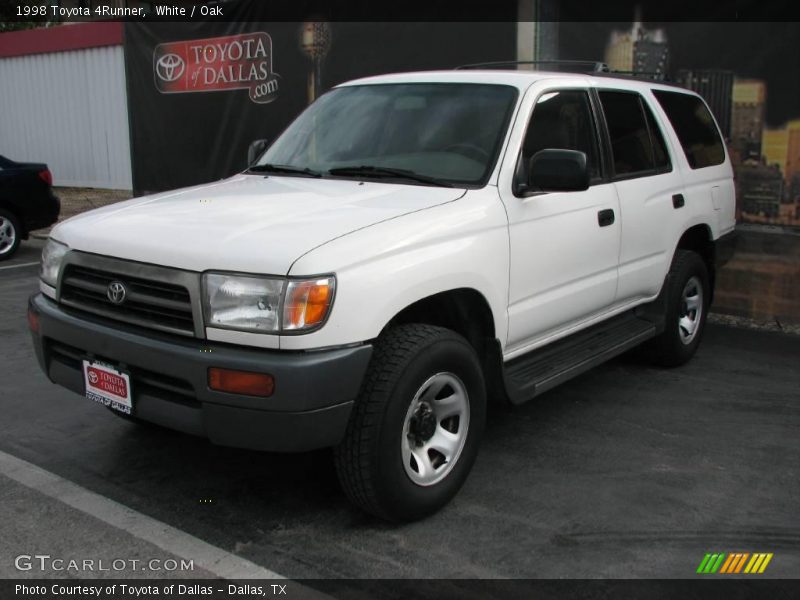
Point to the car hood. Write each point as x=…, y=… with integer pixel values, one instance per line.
x=247, y=223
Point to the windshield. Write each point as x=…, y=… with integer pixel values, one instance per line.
x=446, y=132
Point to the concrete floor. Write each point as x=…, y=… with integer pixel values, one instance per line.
x=625, y=472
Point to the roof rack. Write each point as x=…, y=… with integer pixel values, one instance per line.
x=588, y=65
x=651, y=75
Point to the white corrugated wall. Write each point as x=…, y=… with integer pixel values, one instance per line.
x=69, y=110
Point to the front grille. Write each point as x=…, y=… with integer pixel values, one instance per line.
x=149, y=303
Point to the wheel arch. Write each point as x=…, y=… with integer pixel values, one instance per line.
x=467, y=312
x=699, y=238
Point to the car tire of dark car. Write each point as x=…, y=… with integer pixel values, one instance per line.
x=415, y=429
x=687, y=303
x=10, y=234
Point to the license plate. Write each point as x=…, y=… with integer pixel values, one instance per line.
x=106, y=385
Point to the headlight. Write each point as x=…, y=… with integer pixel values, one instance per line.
x=248, y=303
x=52, y=257
x=266, y=305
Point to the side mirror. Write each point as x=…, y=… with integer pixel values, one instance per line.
x=552, y=170
x=255, y=150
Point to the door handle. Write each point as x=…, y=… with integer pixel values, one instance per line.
x=605, y=217
x=678, y=201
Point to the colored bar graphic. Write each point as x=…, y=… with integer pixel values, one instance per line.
x=716, y=564
x=727, y=564
x=737, y=560
x=740, y=564
x=754, y=563
x=703, y=563
x=712, y=560
x=734, y=563
x=765, y=563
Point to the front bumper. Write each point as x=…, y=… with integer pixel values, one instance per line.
x=314, y=391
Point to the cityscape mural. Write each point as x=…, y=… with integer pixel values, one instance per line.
x=749, y=73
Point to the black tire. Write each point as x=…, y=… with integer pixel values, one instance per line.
x=369, y=461
x=671, y=348
x=9, y=226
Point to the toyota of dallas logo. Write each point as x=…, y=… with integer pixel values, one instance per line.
x=232, y=62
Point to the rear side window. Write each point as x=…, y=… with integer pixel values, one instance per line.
x=637, y=145
x=695, y=128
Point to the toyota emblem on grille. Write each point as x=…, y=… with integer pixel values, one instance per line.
x=116, y=292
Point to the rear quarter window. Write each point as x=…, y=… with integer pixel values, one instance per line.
x=695, y=128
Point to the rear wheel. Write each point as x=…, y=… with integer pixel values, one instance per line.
x=686, y=309
x=415, y=429
x=10, y=234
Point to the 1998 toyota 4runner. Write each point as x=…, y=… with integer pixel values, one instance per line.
x=410, y=246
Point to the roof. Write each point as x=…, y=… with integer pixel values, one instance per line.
x=516, y=78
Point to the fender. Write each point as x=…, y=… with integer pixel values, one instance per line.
x=382, y=269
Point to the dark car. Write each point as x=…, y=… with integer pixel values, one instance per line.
x=27, y=202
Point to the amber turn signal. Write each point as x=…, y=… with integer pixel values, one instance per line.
x=33, y=320
x=307, y=303
x=241, y=382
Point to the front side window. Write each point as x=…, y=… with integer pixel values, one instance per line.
x=448, y=132
x=695, y=128
x=561, y=120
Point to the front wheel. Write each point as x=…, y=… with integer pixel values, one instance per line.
x=687, y=303
x=416, y=426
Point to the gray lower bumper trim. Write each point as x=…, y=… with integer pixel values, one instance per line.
x=314, y=391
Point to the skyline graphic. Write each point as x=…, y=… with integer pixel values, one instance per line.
x=746, y=78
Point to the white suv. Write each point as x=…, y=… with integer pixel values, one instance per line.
x=411, y=246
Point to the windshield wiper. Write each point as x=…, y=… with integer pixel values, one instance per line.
x=268, y=168
x=373, y=171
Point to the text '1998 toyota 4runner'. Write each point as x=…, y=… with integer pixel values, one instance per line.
x=411, y=247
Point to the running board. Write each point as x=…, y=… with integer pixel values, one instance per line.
x=545, y=368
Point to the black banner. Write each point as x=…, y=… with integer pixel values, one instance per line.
x=409, y=10
x=199, y=93
x=197, y=134
x=402, y=589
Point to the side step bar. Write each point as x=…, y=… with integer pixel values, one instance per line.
x=542, y=369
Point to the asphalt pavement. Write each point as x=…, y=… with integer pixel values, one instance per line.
x=627, y=471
